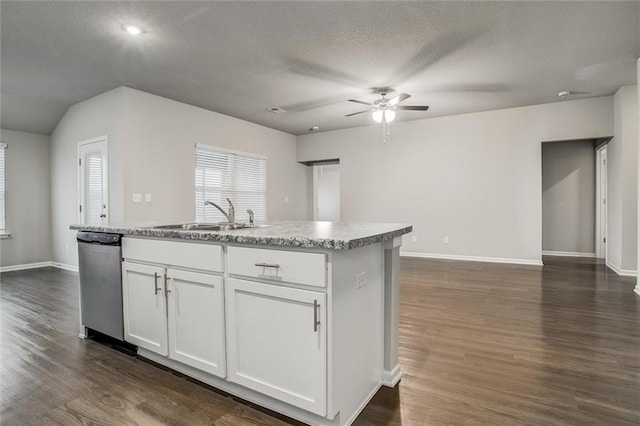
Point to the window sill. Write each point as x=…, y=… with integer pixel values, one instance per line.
x=4, y=234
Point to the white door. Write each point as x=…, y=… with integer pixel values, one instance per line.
x=276, y=342
x=326, y=192
x=145, y=307
x=93, y=181
x=601, y=203
x=196, y=320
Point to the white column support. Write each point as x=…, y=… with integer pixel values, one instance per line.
x=392, y=373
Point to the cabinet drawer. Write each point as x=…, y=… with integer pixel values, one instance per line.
x=207, y=257
x=278, y=265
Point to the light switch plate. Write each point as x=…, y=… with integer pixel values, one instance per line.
x=137, y=198
x=147, y=197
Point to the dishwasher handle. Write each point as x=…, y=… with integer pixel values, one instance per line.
x=101, y=238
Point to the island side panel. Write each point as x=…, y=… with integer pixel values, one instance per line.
x=392, y=373
x=357, y=278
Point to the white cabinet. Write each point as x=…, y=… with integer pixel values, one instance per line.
x=145, y=309
x=278, y=265
x=173, y=311
x=196, y=320
x=276, y=342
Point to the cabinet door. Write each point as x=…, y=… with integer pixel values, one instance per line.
x=276, y=342
x=145, y=307
x=196, y=320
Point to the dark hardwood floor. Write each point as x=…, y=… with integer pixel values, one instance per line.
x=479, y=344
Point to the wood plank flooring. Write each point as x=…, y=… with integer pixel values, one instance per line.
x=479, y=344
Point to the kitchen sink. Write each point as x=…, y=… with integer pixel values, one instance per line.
x=179, y=226
x=208, y=226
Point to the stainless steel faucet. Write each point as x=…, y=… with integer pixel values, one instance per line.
x=231, y=216
x=250, y=216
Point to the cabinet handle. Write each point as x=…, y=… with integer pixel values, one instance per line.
x=268, y=265
x=166, y=285
x=316, y=322
x=155, y=282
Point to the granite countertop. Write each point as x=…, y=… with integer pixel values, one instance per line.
x=319, y=235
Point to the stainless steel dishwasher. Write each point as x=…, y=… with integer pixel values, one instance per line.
x=99, y=262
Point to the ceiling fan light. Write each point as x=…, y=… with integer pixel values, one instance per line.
x=377, y=116
x=389, y=115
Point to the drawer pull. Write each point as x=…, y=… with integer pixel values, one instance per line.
x=268, y=265
x=316, y=321
x=155, y=282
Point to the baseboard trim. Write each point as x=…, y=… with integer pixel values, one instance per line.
x=509, y=260
x=38, y=265
x=568, y=254
x=25, y=266
x=391, y=378
x=66, y=267
x=621, y=272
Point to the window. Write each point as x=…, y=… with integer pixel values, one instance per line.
x=3, y=147
x=224, y=174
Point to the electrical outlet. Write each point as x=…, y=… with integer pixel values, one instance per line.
x=147, y=197
x=67, y=248
x=286, y=200
x=446, y=239
x=361, y=279
x=414, y=239
x=137, y=198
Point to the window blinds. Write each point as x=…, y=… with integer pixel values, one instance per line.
x=2, y=204
x=221, y=175
x=94, y=182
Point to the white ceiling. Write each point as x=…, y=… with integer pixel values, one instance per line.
x=238, y=58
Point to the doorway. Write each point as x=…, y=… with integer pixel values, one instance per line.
x=93, y=181
x=326, y=192
x=569, y=207
x=601, y=202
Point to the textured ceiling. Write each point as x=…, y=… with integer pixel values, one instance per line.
x=238, y=58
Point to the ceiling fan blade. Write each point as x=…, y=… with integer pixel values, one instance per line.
x=413, y=107
x=432, y=52
x=313, y=70
x=313, y=104
x=470, y=88
x=401, y=97
x=359, y=102
x=356, y=113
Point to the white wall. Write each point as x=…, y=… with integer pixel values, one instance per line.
x=98, y=116
x=28, y=199
x=568, y=196
x=160, y=158
x=327, y=192
x=475, y=178
x=151, y=150
x=622, y=153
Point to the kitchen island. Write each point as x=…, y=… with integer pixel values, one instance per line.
x=299, y=317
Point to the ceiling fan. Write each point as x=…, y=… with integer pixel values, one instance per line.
x=383, y=109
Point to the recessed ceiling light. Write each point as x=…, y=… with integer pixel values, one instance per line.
x=276, y=110
x=564, y=94
x=132, y=29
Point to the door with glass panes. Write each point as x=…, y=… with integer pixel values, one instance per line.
x=93, y=205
